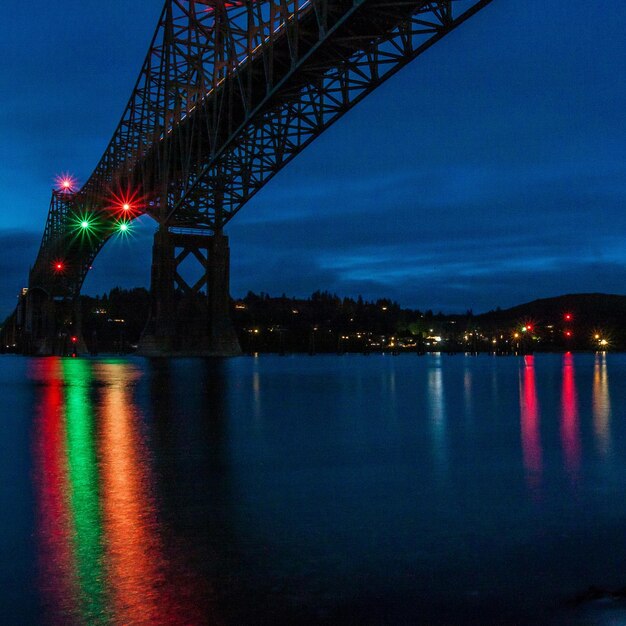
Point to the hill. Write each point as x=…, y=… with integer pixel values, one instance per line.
x=589, y=308
x=325, y=322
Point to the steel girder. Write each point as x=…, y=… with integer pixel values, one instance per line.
x=352, y=63
x=228, y=94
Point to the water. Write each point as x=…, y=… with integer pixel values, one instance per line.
x=339, y=490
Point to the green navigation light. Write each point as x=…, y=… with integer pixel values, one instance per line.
x=85, y=225
x=123, y=227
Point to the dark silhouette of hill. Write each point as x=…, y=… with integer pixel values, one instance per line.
x=572, y=321
x=584, y=308
x=327, y=322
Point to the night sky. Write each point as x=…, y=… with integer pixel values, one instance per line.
x=489, y=172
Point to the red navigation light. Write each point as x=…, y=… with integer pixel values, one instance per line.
x=74, y=339
x=226, y=5
x=529, y=327
x=65, y=183
x=568, y=333
x=567, y=317
x=58, y=266
x=127, y=202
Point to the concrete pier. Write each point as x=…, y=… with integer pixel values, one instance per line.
x=172, y=331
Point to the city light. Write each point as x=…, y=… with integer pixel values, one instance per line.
x=526, y=327
x=600, y=338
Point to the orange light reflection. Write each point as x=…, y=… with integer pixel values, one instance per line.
x=141, y=582
x=601, y=405
x=132, y=549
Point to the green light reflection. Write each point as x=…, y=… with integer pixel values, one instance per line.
x=84, y=491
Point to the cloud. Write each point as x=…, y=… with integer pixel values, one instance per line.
x=488, y=172
x=477, y=238
x=442, y=285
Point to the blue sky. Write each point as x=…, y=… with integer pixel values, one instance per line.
x=488, y=172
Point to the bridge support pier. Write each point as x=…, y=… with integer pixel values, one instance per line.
x=221, y=333
x=190, y=320
x=158, y=338
x=50, y=326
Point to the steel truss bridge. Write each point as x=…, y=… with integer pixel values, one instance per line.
x=228, y=94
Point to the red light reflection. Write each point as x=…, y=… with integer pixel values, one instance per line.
x=102, y=554
x=570, y=435
x=530, y=425
x=59, y=581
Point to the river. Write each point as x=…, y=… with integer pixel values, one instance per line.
x=312, y=490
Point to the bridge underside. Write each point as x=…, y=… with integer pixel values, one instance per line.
x=228, y=95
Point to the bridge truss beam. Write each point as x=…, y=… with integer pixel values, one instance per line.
x=230, y=93
x=294, y=116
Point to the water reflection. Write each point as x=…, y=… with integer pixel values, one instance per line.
x=58, y=578
x=570, y=435
x=160, y=499
x=83, y=487
x=134, y=555
x=437, y=409
x=468, y=393
x=256, y=389
x=187, y=442
x=102, y=556
x=530, y=425
x=601, y=405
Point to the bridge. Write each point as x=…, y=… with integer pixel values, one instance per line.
x=229, y=93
